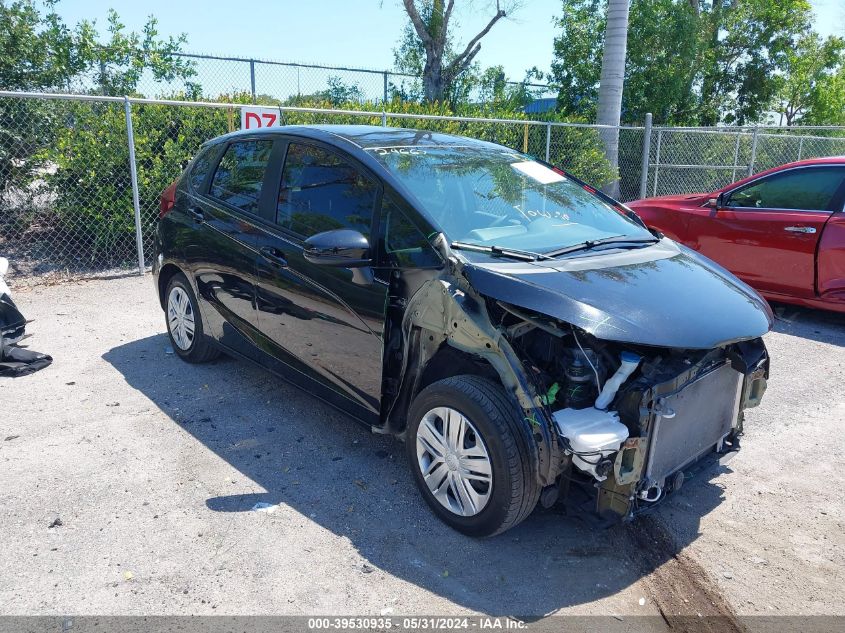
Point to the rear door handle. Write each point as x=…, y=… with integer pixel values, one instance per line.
x=800, y=229
x=274, y=257
x=197, y=215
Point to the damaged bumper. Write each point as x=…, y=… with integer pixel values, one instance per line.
x=681, y=419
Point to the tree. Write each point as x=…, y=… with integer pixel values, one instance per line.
x=442, y=65
x=745, y=43
x=692, y=62
x=340, y=92
x=826, y=105
x=41, y=52
x=577, y=56
x=807, y=68
x=609, y=111
x=660, y=67
x=121, y=62
x=496, y=93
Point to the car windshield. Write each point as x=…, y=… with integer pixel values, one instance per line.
x=488, y=196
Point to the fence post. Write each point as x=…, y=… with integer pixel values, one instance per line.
x=800, y=146
x=736, y=155
x=646, y=155
x=133, y=174
x=383, y=118
x=252, y=78
x=753, y=151
x=657, y=160
x=385, y=87
x=548, y=140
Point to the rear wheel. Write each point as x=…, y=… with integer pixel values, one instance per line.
x=469, y=451
x=184, y=323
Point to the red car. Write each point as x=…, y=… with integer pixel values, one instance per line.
x=781, y=231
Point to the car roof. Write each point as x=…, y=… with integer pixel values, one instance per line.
x=823, y=160
x=364, y=136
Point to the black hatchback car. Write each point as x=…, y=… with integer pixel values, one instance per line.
x=526, y=336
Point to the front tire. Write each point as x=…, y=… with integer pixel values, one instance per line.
x=184, y=323
x=469, y=451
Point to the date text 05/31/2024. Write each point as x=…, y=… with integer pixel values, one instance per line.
x=416, y=623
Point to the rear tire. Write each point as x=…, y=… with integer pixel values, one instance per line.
x=184, y=323
x=454, y=425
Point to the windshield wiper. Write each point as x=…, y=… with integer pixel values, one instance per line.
x=500, y=251
x=590, y=244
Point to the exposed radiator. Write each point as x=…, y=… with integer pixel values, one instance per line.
x=704, y=413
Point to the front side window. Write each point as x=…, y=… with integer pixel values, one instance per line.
x=240, y=174
x=404, y=244
x=810, y=189
x=320, y=191
x=491, y=196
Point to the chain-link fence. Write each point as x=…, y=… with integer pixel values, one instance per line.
x=212, y=76
x=71, y=204
x=689, y=160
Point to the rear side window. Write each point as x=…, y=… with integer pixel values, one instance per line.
x=321, y=191
x=810, y=189
x=240, y=174
x=201, y=167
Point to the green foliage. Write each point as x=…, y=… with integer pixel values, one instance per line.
x=93, y=204
x=577, y=149
x=496, y=93
x=690, y=62
x=93, y=208
x=120, y=64
x=427, y=50
x=41, y=52
x=826, y=103
x=409, y=57
x=577, y=61
x=806, y=79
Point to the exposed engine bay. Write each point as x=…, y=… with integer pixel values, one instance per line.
x=620, y=395
x=631, y=418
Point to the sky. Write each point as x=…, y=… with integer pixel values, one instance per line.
x=357, y=33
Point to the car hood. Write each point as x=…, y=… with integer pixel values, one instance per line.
x=664, y=295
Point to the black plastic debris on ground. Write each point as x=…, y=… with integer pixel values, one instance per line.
x=15, y=360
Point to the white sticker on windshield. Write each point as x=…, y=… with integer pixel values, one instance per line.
x=538, y=172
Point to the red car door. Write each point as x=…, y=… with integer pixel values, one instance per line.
x=767, y=231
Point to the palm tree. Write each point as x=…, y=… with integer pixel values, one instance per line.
x=612, y=79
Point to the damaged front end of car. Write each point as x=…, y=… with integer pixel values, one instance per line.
x=631, y=418
x=618, y=407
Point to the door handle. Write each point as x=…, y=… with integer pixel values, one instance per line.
x=809, y=230
x=197, y=215
x=274, y=257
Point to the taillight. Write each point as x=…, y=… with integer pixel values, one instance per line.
x=168, y=199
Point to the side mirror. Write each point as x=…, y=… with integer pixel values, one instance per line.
x=718, y=202
x=343, y=248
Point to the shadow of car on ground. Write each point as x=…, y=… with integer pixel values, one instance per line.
x=311, y=457
x=817, y=325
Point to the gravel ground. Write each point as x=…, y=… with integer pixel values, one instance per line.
x=130, y=478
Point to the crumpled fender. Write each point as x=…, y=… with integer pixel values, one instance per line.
x=458, y=316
